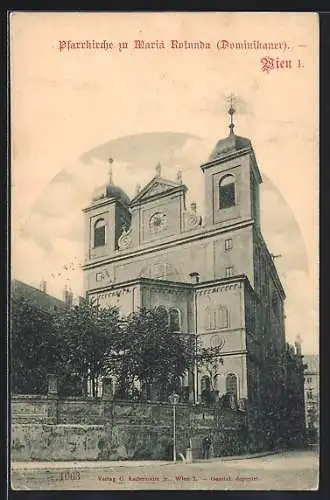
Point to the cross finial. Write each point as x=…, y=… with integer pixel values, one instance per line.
x=110, y=161
x=137, y=189
x=158, y=169
x=231, y=112
x=179, y=176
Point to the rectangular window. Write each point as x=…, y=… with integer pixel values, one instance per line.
x=309, y=395
x=99, y=237
x=228, y=244
x=229, y=272
x=309, y=380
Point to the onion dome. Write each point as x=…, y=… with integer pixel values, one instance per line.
x=110, y=190
x=231, y=143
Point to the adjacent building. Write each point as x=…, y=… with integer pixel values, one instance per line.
x=312, y=405
x=38, y=296
x=41, y=298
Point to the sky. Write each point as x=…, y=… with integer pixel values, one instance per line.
x=71, y=110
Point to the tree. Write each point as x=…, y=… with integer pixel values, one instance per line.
x=281, y=396
x=36, y=349
x=211, y=361
x=92, y=339
x=154, y=355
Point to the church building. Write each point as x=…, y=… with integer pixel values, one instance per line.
x=214, y=275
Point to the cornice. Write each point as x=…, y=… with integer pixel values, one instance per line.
x=181, y=239
x=226, y=157
x=224, y=283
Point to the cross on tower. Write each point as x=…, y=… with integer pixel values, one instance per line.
x=110, y=161
x=231, y=112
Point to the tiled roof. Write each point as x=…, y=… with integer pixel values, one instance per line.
x=38, y=297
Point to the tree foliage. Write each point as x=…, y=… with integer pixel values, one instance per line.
x=92, y=338
x=282, y=398
x=88, y=342
x=35, y=347
x=155, y=354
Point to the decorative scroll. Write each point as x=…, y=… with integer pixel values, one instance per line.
x=125, y=239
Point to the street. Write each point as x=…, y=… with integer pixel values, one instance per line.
x=296, y=470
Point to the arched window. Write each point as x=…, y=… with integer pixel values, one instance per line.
x=216, y=317
x=99, y=233
x=222, y=317
x=205, y=383
x=162, y=311
x=175, y=320
x=217, y=382
x=207, y=318
x=231, y=384
x=227, y=196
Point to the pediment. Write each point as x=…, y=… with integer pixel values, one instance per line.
x=154, y=187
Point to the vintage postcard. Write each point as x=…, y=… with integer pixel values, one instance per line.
x=164, y=274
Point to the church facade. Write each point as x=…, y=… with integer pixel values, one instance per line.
x=214, y=275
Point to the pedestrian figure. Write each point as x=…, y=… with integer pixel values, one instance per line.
x=206, y=446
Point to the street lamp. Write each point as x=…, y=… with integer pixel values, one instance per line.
x=195, y=276
x=174, y=399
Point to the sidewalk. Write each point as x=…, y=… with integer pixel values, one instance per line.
x=94, y=464
x=85, y=464
x=240, y=457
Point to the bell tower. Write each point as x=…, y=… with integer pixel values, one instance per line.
x=105, y=217
x=232, y=179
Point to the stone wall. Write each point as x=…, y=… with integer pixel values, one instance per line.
x=77, y=429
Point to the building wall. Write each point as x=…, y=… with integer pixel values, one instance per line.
x=311, y=392
x=207, y=256
x=106, y=430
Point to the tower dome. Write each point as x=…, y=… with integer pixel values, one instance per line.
x=232, y=142
x=110, y=190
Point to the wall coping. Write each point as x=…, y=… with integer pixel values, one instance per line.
x=42, y=397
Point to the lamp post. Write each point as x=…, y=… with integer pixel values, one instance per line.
x=174, y=399
x=195, y=276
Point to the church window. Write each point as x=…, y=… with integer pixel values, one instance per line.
x=217, y=382
x=99, y=233
x=222, y=317
x=174, y=320
x=162, y=311
x=205, y=383
x=213, y=319
x=231, y=384
x=207, y=318
x=228, y=244
x=227, y=192
x=229, y=272
x=216, y=317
